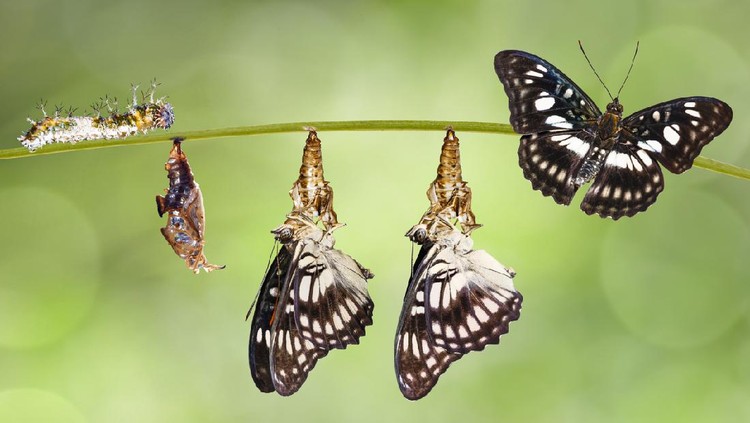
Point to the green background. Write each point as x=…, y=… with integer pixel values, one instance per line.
x=644, y=319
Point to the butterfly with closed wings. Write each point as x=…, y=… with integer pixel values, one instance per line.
x=567, y=141
x=313, y=298
x=458, y=299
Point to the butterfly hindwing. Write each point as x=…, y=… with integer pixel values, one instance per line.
x=260, y=330
x=629, y=182
x=332, y=304
x=470, y=300
x=550, y=160
x=540, y=97
x=674, y=132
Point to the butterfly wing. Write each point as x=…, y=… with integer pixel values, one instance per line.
x=470, y=299
x=418, y=361
x=628, y=182
x=260, y=329
x=550, y=160
x=540, y=97
x=292, y=357
x=332, y=304
x=674, y=132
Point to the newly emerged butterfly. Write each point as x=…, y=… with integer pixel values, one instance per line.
x=313, y=298
x=568, y=142
x=183, y=204
x=458, y=299
x=65, y=128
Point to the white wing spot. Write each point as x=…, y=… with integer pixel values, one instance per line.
x=472, y=323
x=645, y=158
x=689, y=104
x=481, y=315
x=259, y=336
x=693, y=113
x=534, y=74
x=575, y=145
x=435, y=327
x=449, y=332
x=462, y=332
x=491, y=306
x=568, y=93
x=558, y=122
x=541, y=68
x=338, y=322
x=656, y=115
x=544, y=103
x=650, y=145
x=671, y=135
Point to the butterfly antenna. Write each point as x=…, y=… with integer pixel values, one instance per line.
x=637, y=43
x=592, y=68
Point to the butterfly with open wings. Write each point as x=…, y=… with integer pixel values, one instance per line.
x=567, y=141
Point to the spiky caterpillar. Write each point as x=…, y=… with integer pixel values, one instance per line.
x=139, y=118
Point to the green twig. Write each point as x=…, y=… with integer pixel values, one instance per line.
x=357, y=125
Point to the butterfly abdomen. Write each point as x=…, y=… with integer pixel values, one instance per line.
x=590, y=167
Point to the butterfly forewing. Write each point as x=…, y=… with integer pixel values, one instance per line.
x=674, y=132
x=419, y=362
x=550, y=160
x=291, y=355
x=470, y=300
x=260, y=331
x=332, y=304
x=628, y=182
x=540, y=97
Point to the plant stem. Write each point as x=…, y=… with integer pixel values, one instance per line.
x=356, y=125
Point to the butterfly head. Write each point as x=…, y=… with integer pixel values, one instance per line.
x=615, y=107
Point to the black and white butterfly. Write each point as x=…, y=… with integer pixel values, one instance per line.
x=313, y=299
x=568, y=142
x=458, y=300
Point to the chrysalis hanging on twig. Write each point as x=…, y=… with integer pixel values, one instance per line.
x=458, y=299
x=183, y=204
x=63, y=127
x=313, y=298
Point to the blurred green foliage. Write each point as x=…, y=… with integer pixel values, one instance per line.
x=644, y=319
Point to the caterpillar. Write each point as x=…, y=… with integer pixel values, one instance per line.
x=65, y=128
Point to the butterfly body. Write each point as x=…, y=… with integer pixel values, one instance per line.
x=567, y=141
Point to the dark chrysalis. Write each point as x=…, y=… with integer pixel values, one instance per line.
x=183, y=205
x=567, y=142
x=458, y=299
x=313, y=298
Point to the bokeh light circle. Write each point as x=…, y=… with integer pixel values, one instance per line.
x=49, y=259
x=676, y=280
